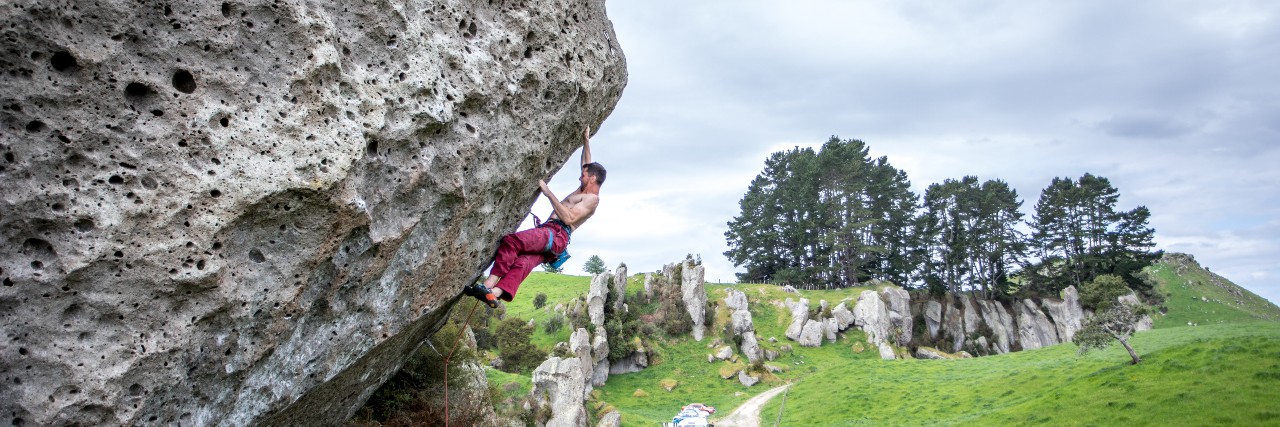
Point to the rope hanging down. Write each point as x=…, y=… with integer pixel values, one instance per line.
x=446, y=360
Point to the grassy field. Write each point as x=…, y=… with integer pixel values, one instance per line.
x=1225, y=370
x=1208, y=375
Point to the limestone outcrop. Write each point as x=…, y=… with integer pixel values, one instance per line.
x=558, y=384
x=596, y=296
x=963, y=323
x=692, y=283
x=870, y=314
x=1034, y=328
x=250, y=212
x=742, y=325
x=1066, y=313
x=799, y=315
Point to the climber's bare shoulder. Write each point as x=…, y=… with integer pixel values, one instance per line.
x=581, y=206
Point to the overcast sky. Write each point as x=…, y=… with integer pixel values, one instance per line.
x=1176, y=102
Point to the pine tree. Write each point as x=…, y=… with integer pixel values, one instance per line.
x=594, y=265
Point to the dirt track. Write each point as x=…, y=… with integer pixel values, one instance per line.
x=748, y=414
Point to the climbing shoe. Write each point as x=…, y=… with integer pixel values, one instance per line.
x=481, y=293
x=475, y=290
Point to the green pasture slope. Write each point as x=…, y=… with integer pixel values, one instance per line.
x=1225, y=370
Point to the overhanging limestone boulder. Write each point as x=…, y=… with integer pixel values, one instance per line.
x=250, y=212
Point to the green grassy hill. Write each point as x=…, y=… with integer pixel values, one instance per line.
x=1196, y=296
x=1226, y=370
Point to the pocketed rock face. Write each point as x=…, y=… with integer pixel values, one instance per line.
x=249, y=212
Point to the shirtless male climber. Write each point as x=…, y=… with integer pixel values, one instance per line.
x=520, y=252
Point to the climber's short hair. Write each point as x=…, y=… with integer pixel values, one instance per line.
x=596, y=170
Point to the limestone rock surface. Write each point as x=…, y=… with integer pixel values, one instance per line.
x=870, y=314
x=1034, y=328
x=249, y=212
x=558, y=383
x=695, y=296
x=898, y=306
x=1067, y=314
x=811, y=335
x=799, y=315
x=886, y=351
x=933, y=317
x=596, y=298
x=1001, y=324
x=619, y=288
x=844, y=317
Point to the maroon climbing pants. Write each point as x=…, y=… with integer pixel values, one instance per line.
x=520, y=252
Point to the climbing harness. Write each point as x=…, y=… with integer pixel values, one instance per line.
x=563, y=256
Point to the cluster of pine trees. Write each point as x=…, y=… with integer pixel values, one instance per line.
x=836, y=218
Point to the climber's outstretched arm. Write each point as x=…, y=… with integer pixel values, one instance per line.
x=586, y=147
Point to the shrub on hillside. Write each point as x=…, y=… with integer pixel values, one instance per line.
x=518, y=354
x=540, y=301
x=554, y=323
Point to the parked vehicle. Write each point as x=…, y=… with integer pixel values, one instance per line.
x=692, y=415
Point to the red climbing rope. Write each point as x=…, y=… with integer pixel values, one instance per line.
x=446, y=361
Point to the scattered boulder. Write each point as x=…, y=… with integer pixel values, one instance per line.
x=844, y=317
x=1143, y=324
x=870, y=314
x=829, y=329
x=724, y=353
x=751, y=348
x=799, y=315
x=748, y=380
x=559, y=384
x=789, y=289
x=886, y=351
x=930, y=353
x=610, y=419
x=770, y=355
x=811, y=335
x=983, y=347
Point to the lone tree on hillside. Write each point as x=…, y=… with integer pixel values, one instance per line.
x=1114, y=319
x=594, y=265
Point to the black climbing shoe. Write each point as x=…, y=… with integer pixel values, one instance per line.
x=481, y=293
x=474, y=290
